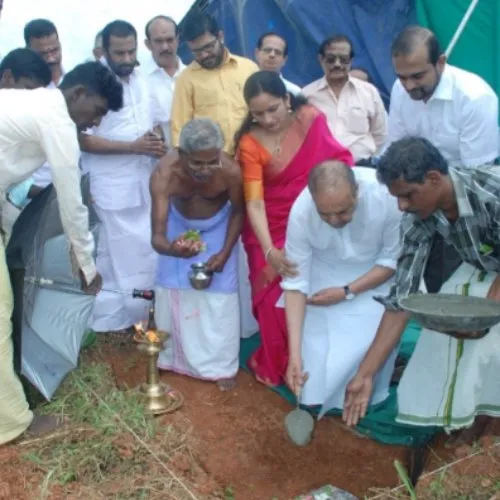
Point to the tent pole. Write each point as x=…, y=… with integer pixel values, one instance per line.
x=461, y=27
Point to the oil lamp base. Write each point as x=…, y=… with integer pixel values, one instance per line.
x=159, y=398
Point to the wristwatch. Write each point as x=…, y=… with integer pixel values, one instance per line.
x=348, y=294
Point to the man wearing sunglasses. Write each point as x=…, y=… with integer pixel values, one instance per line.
x=212, y=85
x=354, y=109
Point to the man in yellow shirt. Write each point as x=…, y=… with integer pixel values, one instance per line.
x=212, y=85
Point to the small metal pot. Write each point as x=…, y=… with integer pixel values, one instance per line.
x=200, y=276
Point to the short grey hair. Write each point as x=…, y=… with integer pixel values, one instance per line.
x=330, y=175
x=201, y=134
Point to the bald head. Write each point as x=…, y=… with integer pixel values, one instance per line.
x=334, y=190
x=331, y=175
x=158, y=22
x=412, y=39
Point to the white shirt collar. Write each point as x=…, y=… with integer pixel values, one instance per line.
x=153, y=67
x=444, y=90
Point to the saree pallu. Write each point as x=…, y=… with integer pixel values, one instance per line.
x=284, y=177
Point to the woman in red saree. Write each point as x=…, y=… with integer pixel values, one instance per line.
x=281, y=140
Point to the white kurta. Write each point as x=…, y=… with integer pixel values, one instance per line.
x=336, y=338
x=162, y=86
x=120, y=189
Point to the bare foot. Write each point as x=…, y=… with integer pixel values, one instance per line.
x=43, y=424
x=470, y=435
x=226, y=384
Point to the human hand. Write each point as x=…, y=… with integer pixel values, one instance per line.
x=94, y=287
x=149, y=144
x=327, y=297
x=281, y=264
x=357, y=396
x=183, y=248
x=295, y=377
x=217, y=262
x=465, y=335
x=494, y=291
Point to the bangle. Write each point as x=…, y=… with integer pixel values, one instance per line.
x=268, y=251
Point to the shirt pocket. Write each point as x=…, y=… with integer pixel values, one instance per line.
x=357, y=120
x=206, y=98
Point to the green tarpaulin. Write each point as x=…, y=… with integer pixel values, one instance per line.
x=379, y=424
x=478, y=48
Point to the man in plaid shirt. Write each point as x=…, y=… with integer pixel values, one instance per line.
x=449, y=382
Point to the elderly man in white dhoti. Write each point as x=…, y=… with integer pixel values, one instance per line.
x=450, y=382
x=198, y=188
x=121, y=160
x=343, y=234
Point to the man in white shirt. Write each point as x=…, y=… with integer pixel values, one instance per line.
x=162, y=39
x=271, y=54
x=41, y=36
x=122, y=152
x=343, y=234
x=35, y=126
x=455, y=110
x=20, y=69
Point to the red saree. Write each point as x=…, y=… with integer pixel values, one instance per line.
x=284, y=176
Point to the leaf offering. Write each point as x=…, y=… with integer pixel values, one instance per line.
x=192, y=238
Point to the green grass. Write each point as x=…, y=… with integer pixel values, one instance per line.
x=75, y=400
x=95, y=448
x=96, y=455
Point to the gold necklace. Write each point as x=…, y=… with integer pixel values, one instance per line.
x=279, y=140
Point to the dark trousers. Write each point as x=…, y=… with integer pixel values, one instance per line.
x=443, y=261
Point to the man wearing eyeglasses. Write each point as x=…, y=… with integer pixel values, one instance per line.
x=212, y=85
x=271, y=55
x=354, y=109
x=197, y=217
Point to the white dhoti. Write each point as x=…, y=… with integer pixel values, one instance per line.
x=448, y=382
x=126, y=260
x=204, y=324
x=15, y=415
x=204, y=329
x=333, y=346
x=336, y=338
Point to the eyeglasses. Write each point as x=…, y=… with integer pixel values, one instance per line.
x=332, y=58
x=270, y=50
x=206, y=48
x=204, y=165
